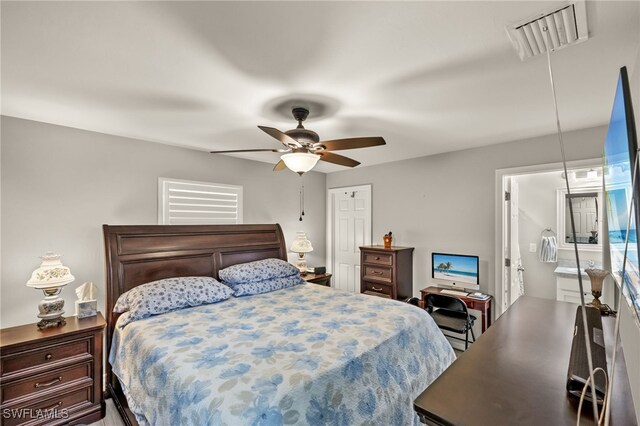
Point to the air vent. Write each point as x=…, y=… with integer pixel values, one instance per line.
x=567, y=26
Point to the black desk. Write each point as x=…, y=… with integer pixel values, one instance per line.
x=515, y=374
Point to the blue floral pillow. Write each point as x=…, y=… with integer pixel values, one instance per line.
x=266, y=286
x=166, y=295
x=260, y=270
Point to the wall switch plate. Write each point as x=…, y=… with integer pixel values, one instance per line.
x=532, y=248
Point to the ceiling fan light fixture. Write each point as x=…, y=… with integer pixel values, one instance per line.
x=300, y=162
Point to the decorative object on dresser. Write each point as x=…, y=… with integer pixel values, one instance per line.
x=322, y=279
x=317, y=270
x=52, y=376
x=301, y=245
x=386, y=272
x=387, y=239
x=50, y=277
x=87, y=303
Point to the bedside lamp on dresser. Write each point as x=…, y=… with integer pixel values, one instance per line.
x=50, y=277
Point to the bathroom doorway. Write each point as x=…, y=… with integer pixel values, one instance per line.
x=534, y=250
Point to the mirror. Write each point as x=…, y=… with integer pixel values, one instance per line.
x=587, y=214
x=586, y=218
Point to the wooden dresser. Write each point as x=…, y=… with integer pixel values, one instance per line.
x=386, y=272
x=53, y=376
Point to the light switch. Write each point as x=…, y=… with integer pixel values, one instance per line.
x=532, y=248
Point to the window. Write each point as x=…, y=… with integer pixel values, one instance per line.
x=183, y=202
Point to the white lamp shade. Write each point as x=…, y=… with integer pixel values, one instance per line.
x=301, y=244
x=51, y=273
x=300, y=162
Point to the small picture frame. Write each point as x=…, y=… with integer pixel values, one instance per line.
x=86, y=308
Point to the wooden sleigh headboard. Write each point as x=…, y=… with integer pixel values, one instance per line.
x=140, y=254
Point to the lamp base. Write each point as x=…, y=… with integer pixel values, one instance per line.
x=302, y=264
x=605, y=310
x=51, y=323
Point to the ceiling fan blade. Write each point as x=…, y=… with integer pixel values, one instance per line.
x=285, y=139
x=352, y=143
x=249, y=150
x=330, y=157
x=279, y=166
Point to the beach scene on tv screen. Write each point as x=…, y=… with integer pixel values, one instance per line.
x=459, y=269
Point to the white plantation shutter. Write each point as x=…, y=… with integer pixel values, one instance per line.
x=183, y=202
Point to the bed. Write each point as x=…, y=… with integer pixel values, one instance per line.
x=302, y=355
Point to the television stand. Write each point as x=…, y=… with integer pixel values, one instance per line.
x=484, y=306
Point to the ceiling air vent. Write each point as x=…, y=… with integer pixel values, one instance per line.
x=567, y=26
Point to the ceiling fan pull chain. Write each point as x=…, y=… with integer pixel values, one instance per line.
x=300, y=204
x=302, y=200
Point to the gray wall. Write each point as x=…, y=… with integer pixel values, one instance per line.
x=446, y=202
x=59, y=185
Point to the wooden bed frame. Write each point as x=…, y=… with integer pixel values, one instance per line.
x=140, y=254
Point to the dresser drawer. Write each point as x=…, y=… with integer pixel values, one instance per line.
x=44, y=382
x=46, y=410
x=378, y=273
x=378, y=258
x=377, y=289
x=47, y=355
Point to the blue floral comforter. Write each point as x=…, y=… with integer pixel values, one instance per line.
x=303, y=355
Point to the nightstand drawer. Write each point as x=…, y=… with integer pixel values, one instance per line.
x=377, y=273
x=43, y=382
x=44, y=356
x=56, y=407
x=378, y=258
x=377, y=289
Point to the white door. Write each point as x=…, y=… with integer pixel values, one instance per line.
x=512, y=267
x=516, y=269
x=351, y=223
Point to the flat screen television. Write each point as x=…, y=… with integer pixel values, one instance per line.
x=455, y=270
x=619, y=157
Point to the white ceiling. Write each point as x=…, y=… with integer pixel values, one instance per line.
x=429, y=77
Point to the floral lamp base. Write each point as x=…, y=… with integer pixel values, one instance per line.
x=51, y=309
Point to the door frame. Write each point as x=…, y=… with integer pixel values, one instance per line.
x=330, y=219
x=501, y=175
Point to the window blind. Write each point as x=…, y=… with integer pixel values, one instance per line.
x=183, y=202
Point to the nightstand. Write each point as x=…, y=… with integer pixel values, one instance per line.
x=52, y=376
x=322, y=279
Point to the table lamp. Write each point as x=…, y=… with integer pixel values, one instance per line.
x=50, y=277
x=597, y=277
x=301, y=245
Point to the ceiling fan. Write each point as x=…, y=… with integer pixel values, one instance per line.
x=304, y=148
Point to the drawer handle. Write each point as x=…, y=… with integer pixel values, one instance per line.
x=53, y=406
x=374, y=288
x=377, y=257
x=377, y=273
x=45, y=385
x=48, y=357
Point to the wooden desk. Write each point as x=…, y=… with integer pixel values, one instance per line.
x=484, y=306
x=515, y=374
